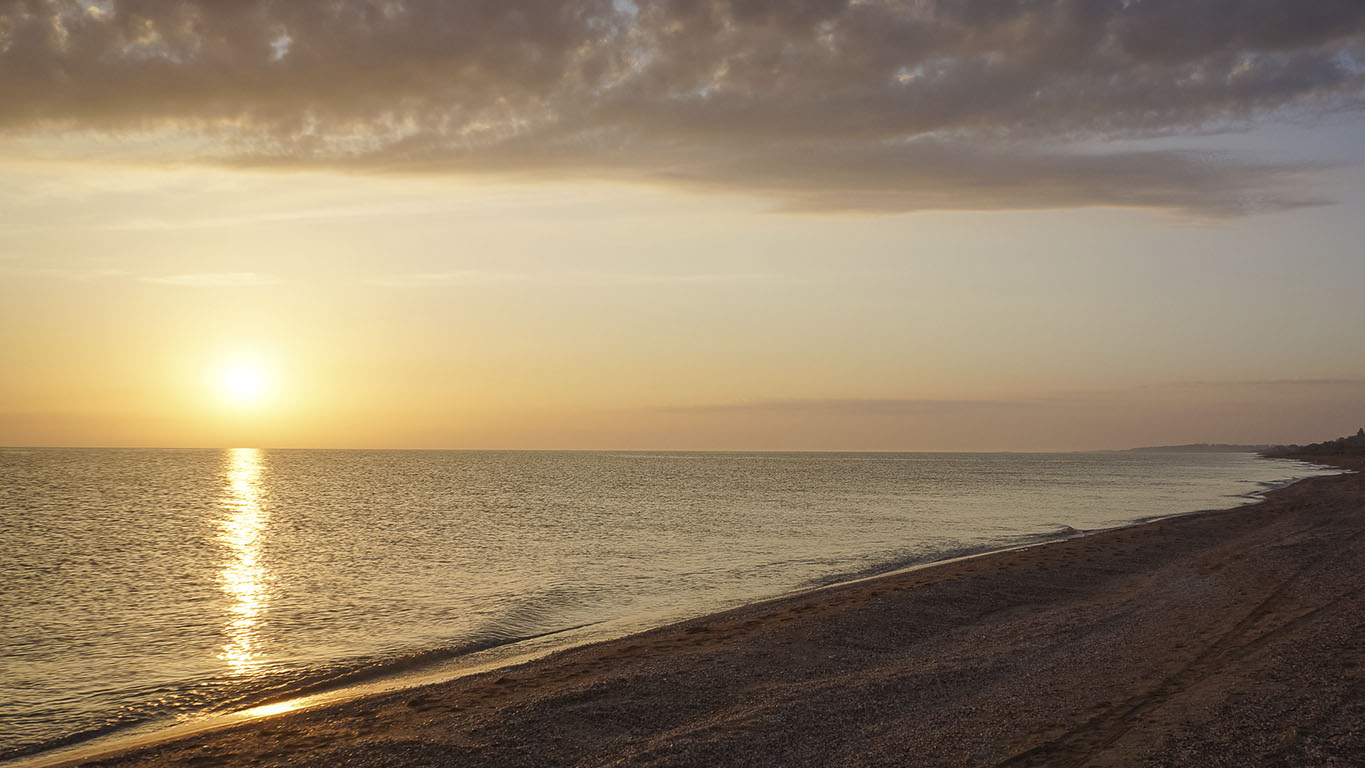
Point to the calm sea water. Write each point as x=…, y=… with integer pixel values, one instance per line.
x=159, y=585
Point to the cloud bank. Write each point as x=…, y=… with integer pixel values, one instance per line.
x=821, y=104
x=1248, y=412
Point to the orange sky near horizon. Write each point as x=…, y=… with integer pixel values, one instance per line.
x=218, y=234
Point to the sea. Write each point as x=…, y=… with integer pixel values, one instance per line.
x=142, y=589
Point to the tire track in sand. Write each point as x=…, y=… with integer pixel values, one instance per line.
x=1078, y=745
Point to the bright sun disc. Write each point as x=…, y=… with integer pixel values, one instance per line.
x=244, y=384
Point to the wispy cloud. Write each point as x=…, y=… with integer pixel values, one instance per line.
x=477, y=277
x=369, y=210
x=215, y=280
x=438, y=279
x=1342, y=389
x=847, y=406
x=79, y=274
x=824, y=105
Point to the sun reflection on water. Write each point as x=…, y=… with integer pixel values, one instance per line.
x=243, y=578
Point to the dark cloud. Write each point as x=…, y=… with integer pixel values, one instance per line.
x=825, y=104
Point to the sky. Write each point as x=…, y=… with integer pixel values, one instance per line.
x=731, y=225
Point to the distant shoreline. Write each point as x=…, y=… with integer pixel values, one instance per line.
x=932, y=659
x=1201, y=448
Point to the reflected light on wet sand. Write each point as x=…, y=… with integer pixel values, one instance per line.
x=243, y=578
x=266, y=710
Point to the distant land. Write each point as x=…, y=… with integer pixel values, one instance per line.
x=1203, y=448
x=1351, y=445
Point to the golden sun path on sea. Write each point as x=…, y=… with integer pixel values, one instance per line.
x=243, y=579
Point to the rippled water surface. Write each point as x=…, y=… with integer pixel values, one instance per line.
x=142, y=585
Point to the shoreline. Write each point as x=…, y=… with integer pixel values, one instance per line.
x=305, y=735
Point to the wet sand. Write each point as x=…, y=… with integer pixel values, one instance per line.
x=1227, y=638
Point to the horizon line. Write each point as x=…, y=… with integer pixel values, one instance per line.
x=1136, y=448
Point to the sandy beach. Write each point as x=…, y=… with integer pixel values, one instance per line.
x=1224, y=638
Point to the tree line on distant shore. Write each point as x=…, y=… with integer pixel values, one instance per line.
x=1351, y=445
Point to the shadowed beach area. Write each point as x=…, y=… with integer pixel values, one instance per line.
x=1221, y=638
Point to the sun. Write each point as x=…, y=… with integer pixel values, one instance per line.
x=244, y=384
